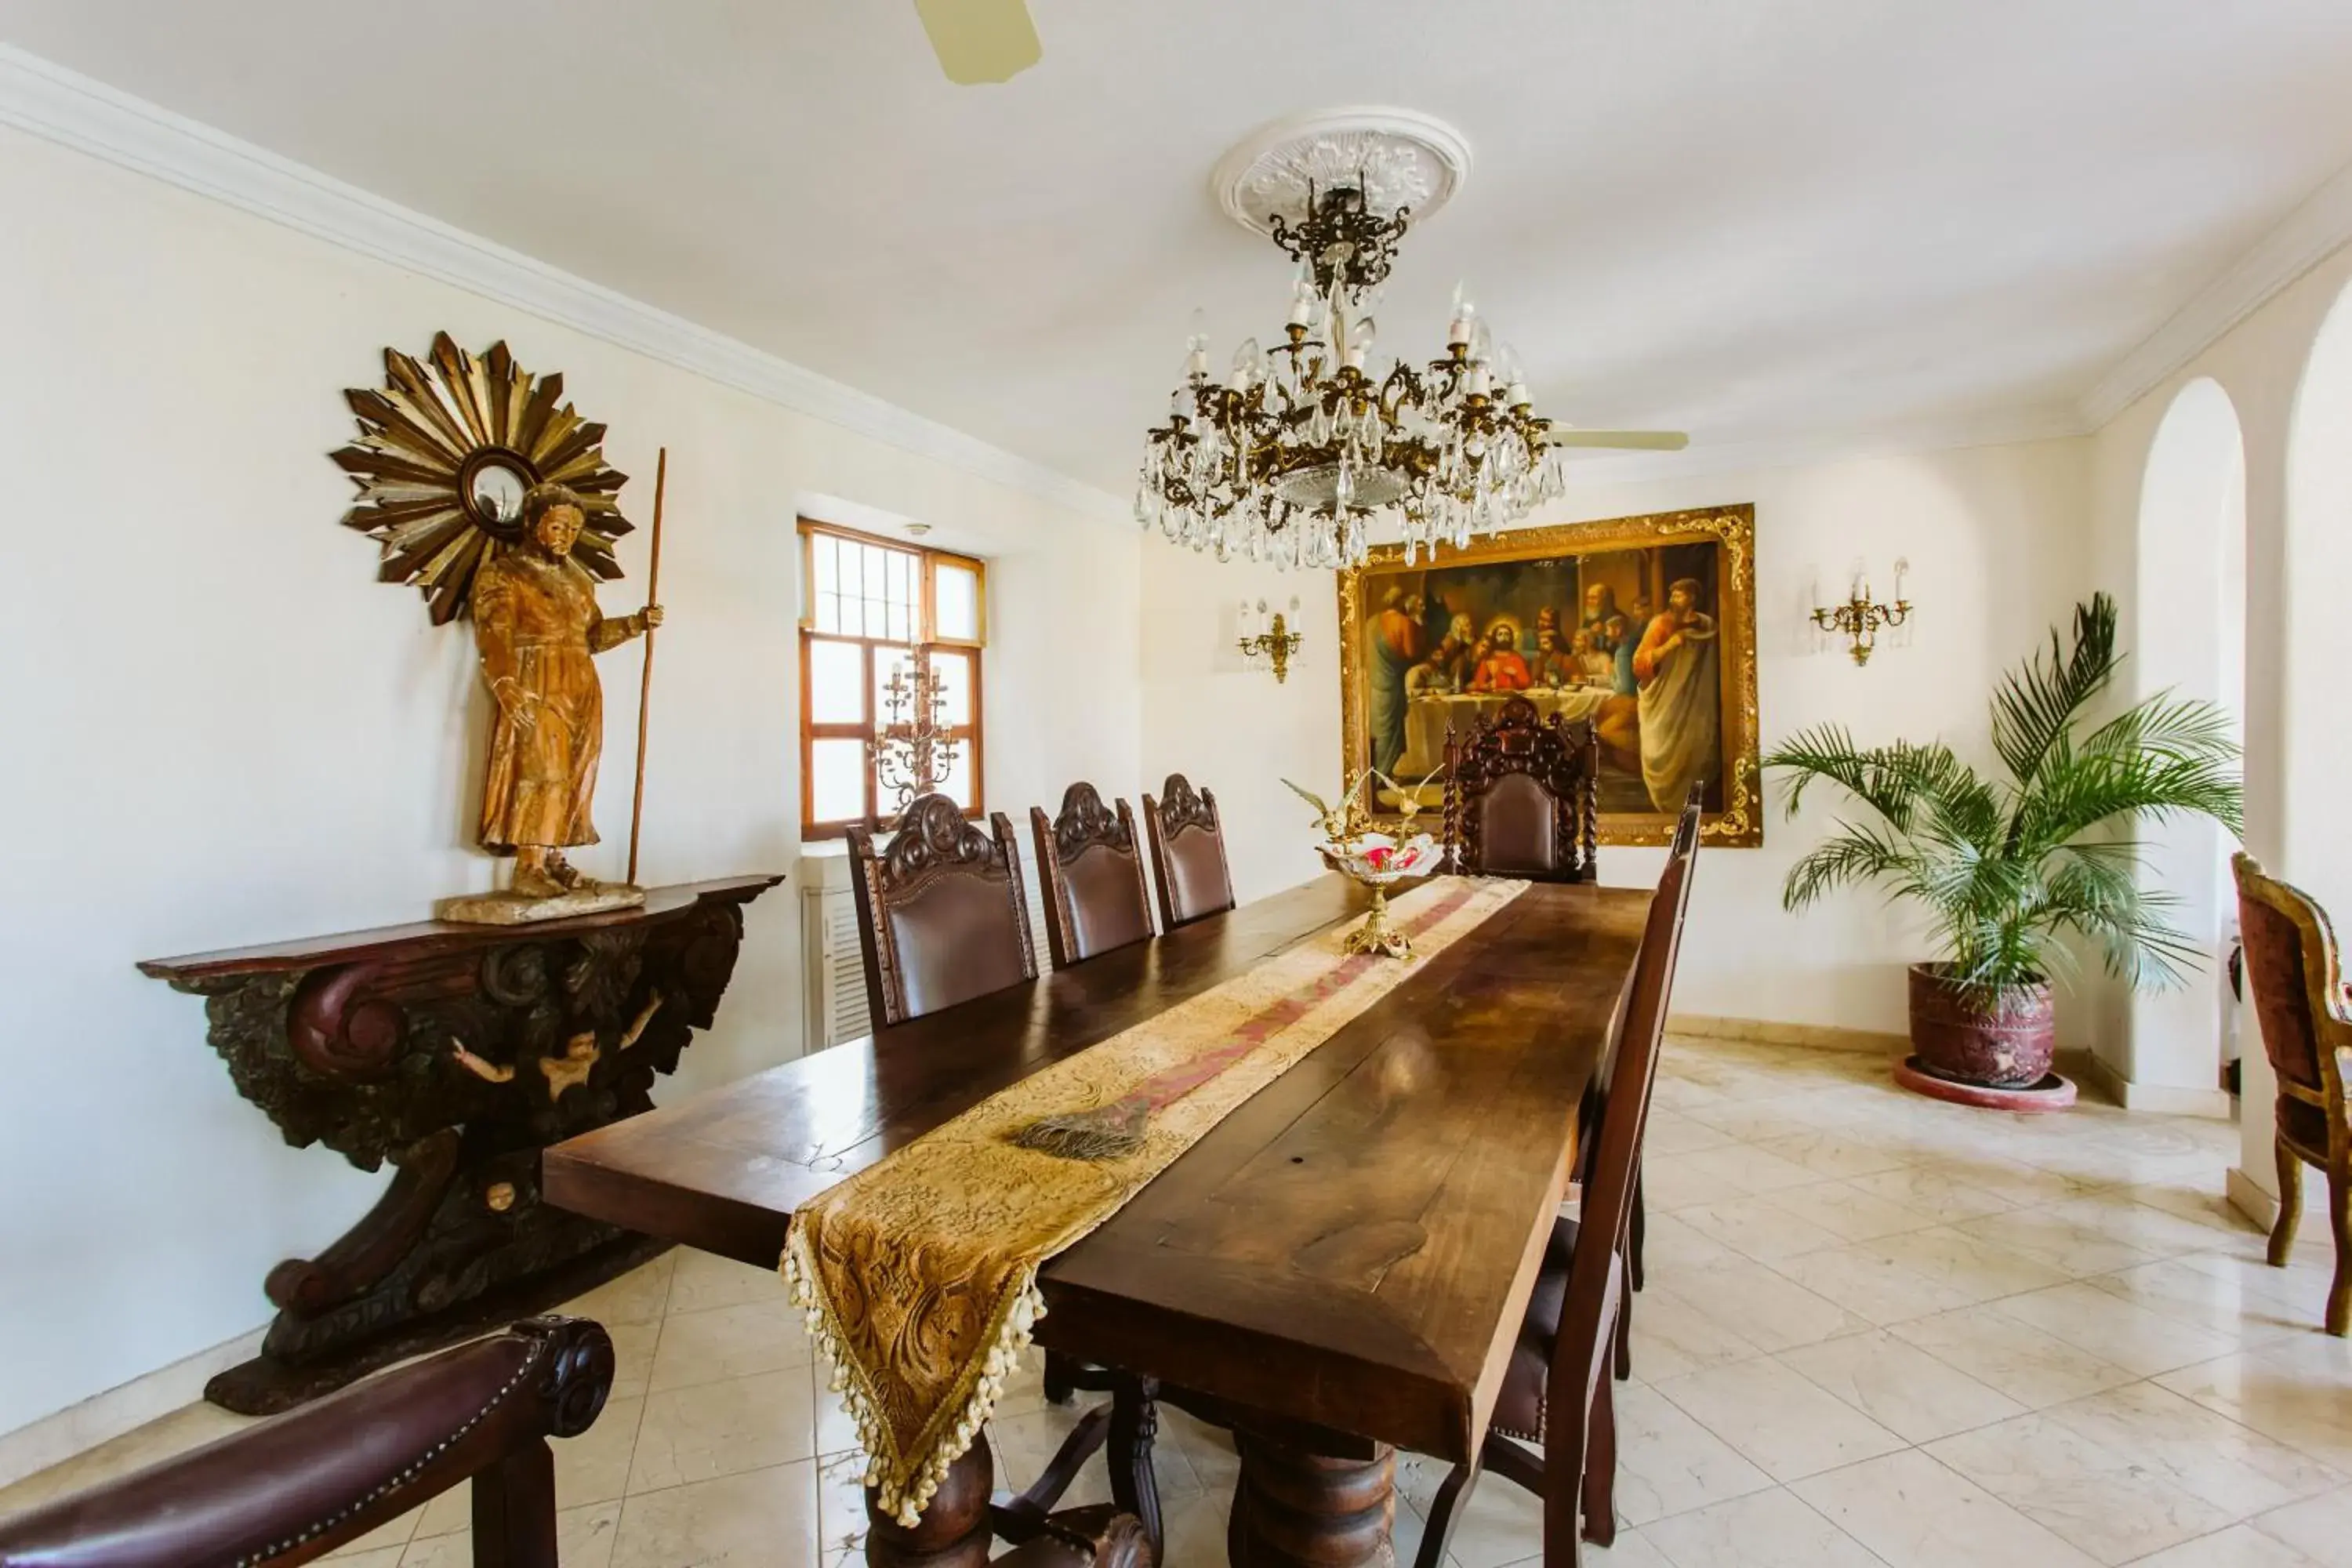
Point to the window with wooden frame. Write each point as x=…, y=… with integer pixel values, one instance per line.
x=869, y=608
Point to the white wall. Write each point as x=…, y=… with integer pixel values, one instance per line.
x=1997, y=540
x=221, y=730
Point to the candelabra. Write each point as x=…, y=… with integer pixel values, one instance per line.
x=912, y=751
x=1274, y=641
x=1861, y=619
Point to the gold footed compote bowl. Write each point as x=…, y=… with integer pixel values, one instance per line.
x=1377, y=860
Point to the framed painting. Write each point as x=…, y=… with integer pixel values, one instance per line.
x=1645, y=626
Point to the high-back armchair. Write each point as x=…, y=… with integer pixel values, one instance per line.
x=2299, y=1002
x=1522, y=797
x=1090, y=864
x=940, y=915
x=1188, y=850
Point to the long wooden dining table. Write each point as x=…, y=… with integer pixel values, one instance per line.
x=1344, y=1260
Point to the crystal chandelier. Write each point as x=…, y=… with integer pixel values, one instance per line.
x=1294, y=455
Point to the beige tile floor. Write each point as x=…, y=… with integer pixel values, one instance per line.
x=1878, y=1331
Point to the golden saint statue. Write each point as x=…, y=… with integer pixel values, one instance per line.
x=538, y=629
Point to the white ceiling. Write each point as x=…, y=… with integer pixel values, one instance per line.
x=1755, y=221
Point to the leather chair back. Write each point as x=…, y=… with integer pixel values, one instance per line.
x=2298, y=996
x=1522, y=797
x=1518, y=829
x=1188, y=849
x=1091, y=864
x=940, y=913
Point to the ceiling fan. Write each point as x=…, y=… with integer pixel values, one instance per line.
x=980, y=40
x=1645, y=440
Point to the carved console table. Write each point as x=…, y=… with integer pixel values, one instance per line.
x=455, y=1052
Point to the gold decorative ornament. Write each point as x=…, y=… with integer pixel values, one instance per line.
x=913, y=749
x=1273, y=643
x=1862, y=620
x=499, y=1197
x=447, y=448
x=1736, y=818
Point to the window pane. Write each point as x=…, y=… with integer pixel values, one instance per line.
x=852, y=588
x=953, y=672
x=836, y=780
x=836, y=682
x=825, y=601
x=957, y=785
x=901, y=621
x=886, y=661
x=955, y=591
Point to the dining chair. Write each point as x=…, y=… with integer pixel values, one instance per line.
x=297, y=1486
x=1091, y=865
x=941, y=914
x=1556, y=1393
x=1188, y=851
x=1522, y=797
x=2299, y=1002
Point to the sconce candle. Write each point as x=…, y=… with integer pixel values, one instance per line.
x=1861, y=619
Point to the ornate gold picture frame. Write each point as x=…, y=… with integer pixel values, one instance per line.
x=1644, y=625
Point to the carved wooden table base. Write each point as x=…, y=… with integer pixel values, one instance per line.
x=1294, y=1508
x=455, y=1054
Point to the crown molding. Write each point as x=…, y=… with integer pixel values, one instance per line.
x=71, y=109
x=1999, y=427
x=2314, y=231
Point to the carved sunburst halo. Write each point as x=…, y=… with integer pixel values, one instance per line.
x=446, y=449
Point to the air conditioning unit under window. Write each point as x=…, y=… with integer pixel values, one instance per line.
x=832, y=965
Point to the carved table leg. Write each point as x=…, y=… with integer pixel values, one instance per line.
x=953, y=1531
x=1295, y=1509
x=1134, y=1426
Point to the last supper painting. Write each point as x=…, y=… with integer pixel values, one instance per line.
x=1643, y=627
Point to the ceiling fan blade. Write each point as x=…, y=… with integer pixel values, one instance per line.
x=980, y=40
x=1647, y=440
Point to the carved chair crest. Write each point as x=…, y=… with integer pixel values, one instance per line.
x=1182, y=806
x=1563, y=760
x=933, y=838
x=1085, y=821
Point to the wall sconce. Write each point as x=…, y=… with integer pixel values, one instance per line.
x=1272, y=641
x=1860, y=619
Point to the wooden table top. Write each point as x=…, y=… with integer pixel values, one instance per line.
x=1353, y=1248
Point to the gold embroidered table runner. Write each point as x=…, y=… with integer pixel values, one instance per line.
x=918, y=1274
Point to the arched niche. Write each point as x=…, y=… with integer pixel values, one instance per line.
x=2318, y=733
x=2189, y=638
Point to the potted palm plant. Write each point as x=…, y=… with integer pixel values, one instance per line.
x=2008, y=867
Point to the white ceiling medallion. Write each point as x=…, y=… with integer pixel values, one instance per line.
x=1402, y=158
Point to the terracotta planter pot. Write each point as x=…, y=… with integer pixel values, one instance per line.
x=2005, y=1042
